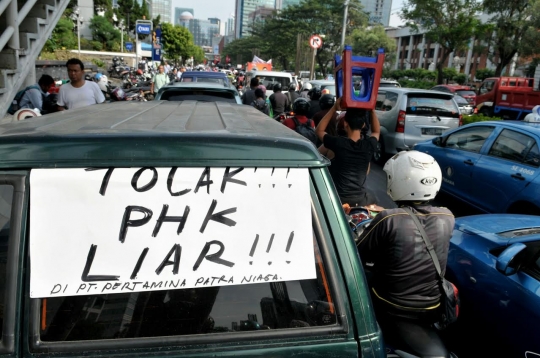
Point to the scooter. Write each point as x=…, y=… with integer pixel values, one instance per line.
x=360, y=219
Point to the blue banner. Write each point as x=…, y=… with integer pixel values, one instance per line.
x=143, y=29
x=129, y=46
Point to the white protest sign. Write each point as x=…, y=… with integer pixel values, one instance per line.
x=144, y=229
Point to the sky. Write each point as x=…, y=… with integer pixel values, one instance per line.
x=222, y=9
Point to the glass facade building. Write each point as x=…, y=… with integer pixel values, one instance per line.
x=181, y=13
x=378, y=10
x=161, y=8
x=203, y=31
x=242, y=14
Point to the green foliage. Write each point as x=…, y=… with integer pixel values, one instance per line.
x=513, y=29
x=483, y=73
x=366, y=42
x=177, y=42
x=417, y=84
x=417, y=74
x=461, y=78
x=104, y=33
x=62, y=36
x=198, y=54
x=531, y=68
x=449, y=73
x=99, y=63
x=96, y=45
x=450, y=23
x=478, y=118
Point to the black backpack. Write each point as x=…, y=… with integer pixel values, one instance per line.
x=14, y=107
x=261, y=106
x=305, y=130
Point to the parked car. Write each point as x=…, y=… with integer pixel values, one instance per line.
x=389, y=83
x=464, y=91
x=493, y=166
x=464, y=106
x=494, y=260
x=205, y=77
x=199, y=91
x=163, y=228
x=408, y=116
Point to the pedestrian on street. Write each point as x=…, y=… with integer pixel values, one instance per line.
x=249, y=96
x=78, y=92
x=160, y=79
x=167, y=67
x=35, y=96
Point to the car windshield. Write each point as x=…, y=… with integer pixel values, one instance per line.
x=388, y=84
x=460, y=100
x=270, y=81
x=198, y=95
x=466, y=93
x=431, y=105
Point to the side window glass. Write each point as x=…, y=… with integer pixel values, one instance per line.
x=511, y=145
x=390, y=101
x=486, y=87
x=208, y=310
x=6, y=200
x=532, y=158
x=470, y=139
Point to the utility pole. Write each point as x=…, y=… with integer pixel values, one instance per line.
x=297, y=66
x=345, y=14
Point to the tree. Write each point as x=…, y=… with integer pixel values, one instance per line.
x=450, y=23
x=483, y=73
x=242, y=49
x=366, y=42
x=198, y=54
x=62, y=36
x=105, y=33
x=125, y=11
x=513, y=29
x=177, y=42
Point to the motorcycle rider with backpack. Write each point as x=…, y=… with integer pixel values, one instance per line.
x=300, y=122
x=280, y=102
x=403, y=245
x=260, y=102
x=351, y=155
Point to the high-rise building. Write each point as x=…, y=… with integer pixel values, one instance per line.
x=161, y=8
x=181, y=11
x=242, y=14
x=282, y=4
x=203, y=31
x=378, y=10
x=229, y=26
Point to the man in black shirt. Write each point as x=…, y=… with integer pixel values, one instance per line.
x=350, y=155
x=249, y=96
x=280, y=102
x=405, y=286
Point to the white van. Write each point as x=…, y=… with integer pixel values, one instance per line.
x=269, y=78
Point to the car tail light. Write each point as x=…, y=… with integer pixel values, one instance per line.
x=460, y=120
x=400, y=126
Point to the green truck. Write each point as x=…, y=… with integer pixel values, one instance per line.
x=178, y=229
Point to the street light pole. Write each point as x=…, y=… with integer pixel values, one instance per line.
x=78, y=22
x=345, y=14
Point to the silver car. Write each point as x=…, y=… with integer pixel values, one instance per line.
x=409, y=116
x=464, y=106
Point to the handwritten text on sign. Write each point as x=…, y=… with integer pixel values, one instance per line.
x=98, y=231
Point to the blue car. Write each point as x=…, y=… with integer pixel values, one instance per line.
x=494, y=260
x=493, y=166
x=205, y=76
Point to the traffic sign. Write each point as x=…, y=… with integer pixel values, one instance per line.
x=144, y=29
x=315, y=41
x=129, y=46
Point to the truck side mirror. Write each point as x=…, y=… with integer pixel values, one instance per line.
x=507, y=262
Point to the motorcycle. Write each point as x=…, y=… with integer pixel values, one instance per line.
x=359, y=219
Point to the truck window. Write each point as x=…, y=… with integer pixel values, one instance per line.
x=206, y=310
x=6, y=199
x=486, y=87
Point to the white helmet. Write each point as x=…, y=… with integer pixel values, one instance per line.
x=307, y=86
x=103, y=86
x=24, y=113
x=412, y=176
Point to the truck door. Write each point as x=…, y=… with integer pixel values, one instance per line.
x=486, y=92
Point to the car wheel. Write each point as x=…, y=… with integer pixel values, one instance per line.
x=380, y=155
x=486, y=111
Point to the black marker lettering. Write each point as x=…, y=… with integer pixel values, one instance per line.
x=87, y=278
x=289, y=243
x=148, y=186
x=254, y=246
x=270, y=243
x=57, y=287
x=139, y=264
x=216, y=258
x=170, y=180
x=105, y=181
x=199, y=280
x=82, y=286
x=127, y=222
x=207, y=183
x=106, y=287
x=219, y=217
x=227, y=177
x=177, y=251
x=164, y=218
x=90, y=285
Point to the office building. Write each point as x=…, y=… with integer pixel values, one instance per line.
x=242, y=14
x=161, y=8
x=182, y=12
x=229, y=26
x=282, y=4
x=203, y=31
x=378, y=10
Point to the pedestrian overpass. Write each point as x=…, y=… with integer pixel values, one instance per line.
x=25, y=26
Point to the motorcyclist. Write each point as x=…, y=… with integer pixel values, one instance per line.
x=300, y=108
x=405, y=287
x=291, y=94
x=314, y=95
x=305, y=89
x=280, y=102
x=325, y=103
